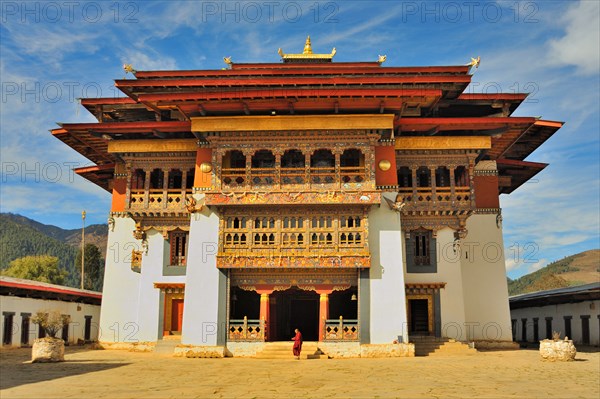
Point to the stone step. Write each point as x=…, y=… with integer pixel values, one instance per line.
x=430, y=347
x=283, y=350
x=166, y=347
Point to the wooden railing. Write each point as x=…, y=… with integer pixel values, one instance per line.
x=246, y=330
x=158, y=199
x=341, y=330
x=238, y=178
x=443, y=195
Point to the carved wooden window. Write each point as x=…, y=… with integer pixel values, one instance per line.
x=442, y=177
x=137, y=179
x=461, y=177
x=293, y=167
x=175, y=178
x=421, y=252
x=405, y=177
x=423, y=177
x=178, y=241
x=326, y=232
x=156, y=179
x=352, y=163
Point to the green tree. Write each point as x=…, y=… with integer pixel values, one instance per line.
x=94, y=268
x=43, y=268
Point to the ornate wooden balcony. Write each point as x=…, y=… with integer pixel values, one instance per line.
x=158, y=200
x=240, y=179
x=341, y=330
x=436, y=198
x=246, y=330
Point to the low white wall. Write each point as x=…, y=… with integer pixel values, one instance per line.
x=558, y=312
x=77, y=311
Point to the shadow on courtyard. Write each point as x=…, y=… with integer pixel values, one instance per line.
x=15, y=370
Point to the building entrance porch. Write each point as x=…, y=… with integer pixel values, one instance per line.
x=271, y=312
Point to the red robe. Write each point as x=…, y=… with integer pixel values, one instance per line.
x=297, y=344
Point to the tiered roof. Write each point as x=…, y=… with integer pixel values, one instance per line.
x=427, y=101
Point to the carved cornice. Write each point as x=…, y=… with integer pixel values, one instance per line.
x=294, y=277
x=291, y=198
x=319, y=262
x=434, y=222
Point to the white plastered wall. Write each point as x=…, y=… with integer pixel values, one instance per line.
x=200, y=311
x=388, y=299
x=120, y=294
x=452, y=306
x=487, y=314
x=149, y=297
x=557, y=313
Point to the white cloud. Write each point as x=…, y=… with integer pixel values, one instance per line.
x=580, y=46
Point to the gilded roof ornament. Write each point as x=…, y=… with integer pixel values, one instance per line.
x=307, y=54
x=474, y=62
x=381, y=59
x=227, y=60
x=307, y=46
x=128, y=68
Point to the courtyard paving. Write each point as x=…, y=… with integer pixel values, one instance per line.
x=119, y=374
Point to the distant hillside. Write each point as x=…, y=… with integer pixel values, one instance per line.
x=94, y=234
x=21, y=236
x=578, y=269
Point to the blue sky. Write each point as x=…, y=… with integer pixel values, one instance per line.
x=55, y=52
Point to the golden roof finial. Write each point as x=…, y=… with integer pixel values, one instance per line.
x=307, y=46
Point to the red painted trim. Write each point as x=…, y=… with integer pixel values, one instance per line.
x=288, y=81
x=34, y=287
x=469, y=120
x=163, y=126
x=107, y=101
x=546, y=123
x=97, y=168
x=526, y=164
x=287, y=93
x=493, y=96
x=309, y=69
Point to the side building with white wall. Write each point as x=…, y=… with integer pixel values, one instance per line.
x=21, y=299
x=574, y=312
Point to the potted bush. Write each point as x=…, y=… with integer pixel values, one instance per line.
x=557, y=349
x=49, y=348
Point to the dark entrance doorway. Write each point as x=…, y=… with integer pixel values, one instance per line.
x=294, y=308
x=418, y=316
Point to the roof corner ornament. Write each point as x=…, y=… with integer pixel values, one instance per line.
x=396, y=205
x=381, y=59
x=474, y=62
x=227, y=60
x=128, y=68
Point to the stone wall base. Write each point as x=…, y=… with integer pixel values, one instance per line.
x=199, y=351
x=489, y=345
x=387, y=350
x=337, y=350
x=127, y=346
x=243, y=349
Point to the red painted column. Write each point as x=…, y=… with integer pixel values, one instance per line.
x=264, y=309
x=323, y=311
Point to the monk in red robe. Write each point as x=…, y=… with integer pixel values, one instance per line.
x=297, y=343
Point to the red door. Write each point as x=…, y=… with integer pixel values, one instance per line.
x=176, y=314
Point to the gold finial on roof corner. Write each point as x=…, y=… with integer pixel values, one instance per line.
x=381, y=59
x=474, y=62
x=307, y=46
x=227, y=60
